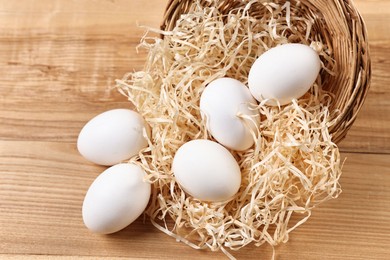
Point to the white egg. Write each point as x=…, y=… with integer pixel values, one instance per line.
x=222, y=101
x=206, y=170
x=113, y=136
x=115, y=199
x=284, y=73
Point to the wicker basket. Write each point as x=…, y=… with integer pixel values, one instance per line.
x=341, y=25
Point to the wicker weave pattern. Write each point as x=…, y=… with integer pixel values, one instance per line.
x=341, y=27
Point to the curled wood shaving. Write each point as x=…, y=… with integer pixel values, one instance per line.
x=294, y=165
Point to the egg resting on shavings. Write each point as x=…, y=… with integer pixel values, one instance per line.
x=294, y=165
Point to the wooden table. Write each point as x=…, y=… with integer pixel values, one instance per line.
x=58, y=60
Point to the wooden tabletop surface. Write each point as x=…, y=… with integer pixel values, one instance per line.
x=58, y=60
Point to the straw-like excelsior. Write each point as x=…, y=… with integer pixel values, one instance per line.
x=295, y=163
x=340, y=25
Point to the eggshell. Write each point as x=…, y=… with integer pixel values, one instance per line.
x=221, y=102
x=206, y=170
x=284, y=73
x=113, y=136
x=115, y=199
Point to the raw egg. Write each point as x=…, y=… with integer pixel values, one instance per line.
x=284, y=73
x=113, y=136
x=116, y=198
x=224, y=102
x=206, y=170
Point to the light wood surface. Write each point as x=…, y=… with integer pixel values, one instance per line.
x=58, y=60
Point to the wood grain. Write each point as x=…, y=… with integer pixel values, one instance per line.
x=58, y=62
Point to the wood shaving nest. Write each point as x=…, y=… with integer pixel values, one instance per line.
x=294, y=164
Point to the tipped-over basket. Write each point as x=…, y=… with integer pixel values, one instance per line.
x=342, y=29
x=295, y=164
